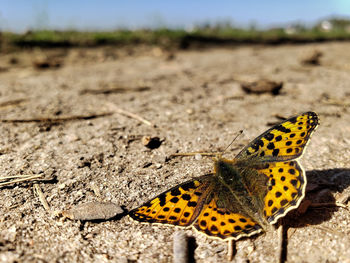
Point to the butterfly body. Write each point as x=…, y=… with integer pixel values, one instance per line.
x=242, y=188
x=244, y=195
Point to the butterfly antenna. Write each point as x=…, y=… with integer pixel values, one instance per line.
x=228, y=146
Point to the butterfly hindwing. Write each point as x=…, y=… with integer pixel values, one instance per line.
x=223, y=223
x=285, y=189
x=177, y=206
x=283, y=142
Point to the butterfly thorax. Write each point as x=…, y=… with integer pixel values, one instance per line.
x=242, y=188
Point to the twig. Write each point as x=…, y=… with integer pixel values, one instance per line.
x=230, y=250
x=114, y=90
x=5, y=178
x=282, y=244
x=131, y=115
x=336, y=102
x=137, y=117
x=192, y=154
x=180, y=247
x=12, y=102
x=28, y=178
x=327, y=229
x=58, y=120
x=41, y=196
x=343, y=198
x=336, y=204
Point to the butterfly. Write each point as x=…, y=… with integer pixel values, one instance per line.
x=244, y=195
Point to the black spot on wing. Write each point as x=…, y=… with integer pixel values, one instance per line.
x=269, y=136
x=293, y=120
x=174, y=200
x=237, y=228
x=192, y=204
x=175, y=192
x=282, y=128
x=213, y=228
x=278, y=138
x=186, y=197
x=275, y=152
x=257, y=145
x=188, y=186
x=271, y=146
x=161, y=199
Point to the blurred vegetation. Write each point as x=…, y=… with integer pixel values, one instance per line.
x=220, y=34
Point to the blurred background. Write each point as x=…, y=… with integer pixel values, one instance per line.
x=97, y=96
x=54, y=22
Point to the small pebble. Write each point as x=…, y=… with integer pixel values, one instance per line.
x=262, y=86
x=151, y=142
x=198, y=156
x=93, y=211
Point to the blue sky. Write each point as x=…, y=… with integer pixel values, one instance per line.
x=20, y=15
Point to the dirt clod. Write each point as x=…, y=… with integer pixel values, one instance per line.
x=262, y=86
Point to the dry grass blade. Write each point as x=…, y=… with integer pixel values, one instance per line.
x=322, y=205
x=330, y=230
x=11, y=103
x=131, y=115
x=41, y=196
x=114, y=90
x=21, y=179
x=58, y=120
x=5, y=178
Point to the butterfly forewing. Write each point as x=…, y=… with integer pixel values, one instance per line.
x=177, y=206
x=283, y=142
x=273, y=154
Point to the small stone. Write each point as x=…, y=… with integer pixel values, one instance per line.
x=9, y=234
x=190, y=111
x=198, y=156
x=312, y=58
x=93, y=211
x=262, y=86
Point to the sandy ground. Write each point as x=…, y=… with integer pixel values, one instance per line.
x=196, y=102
